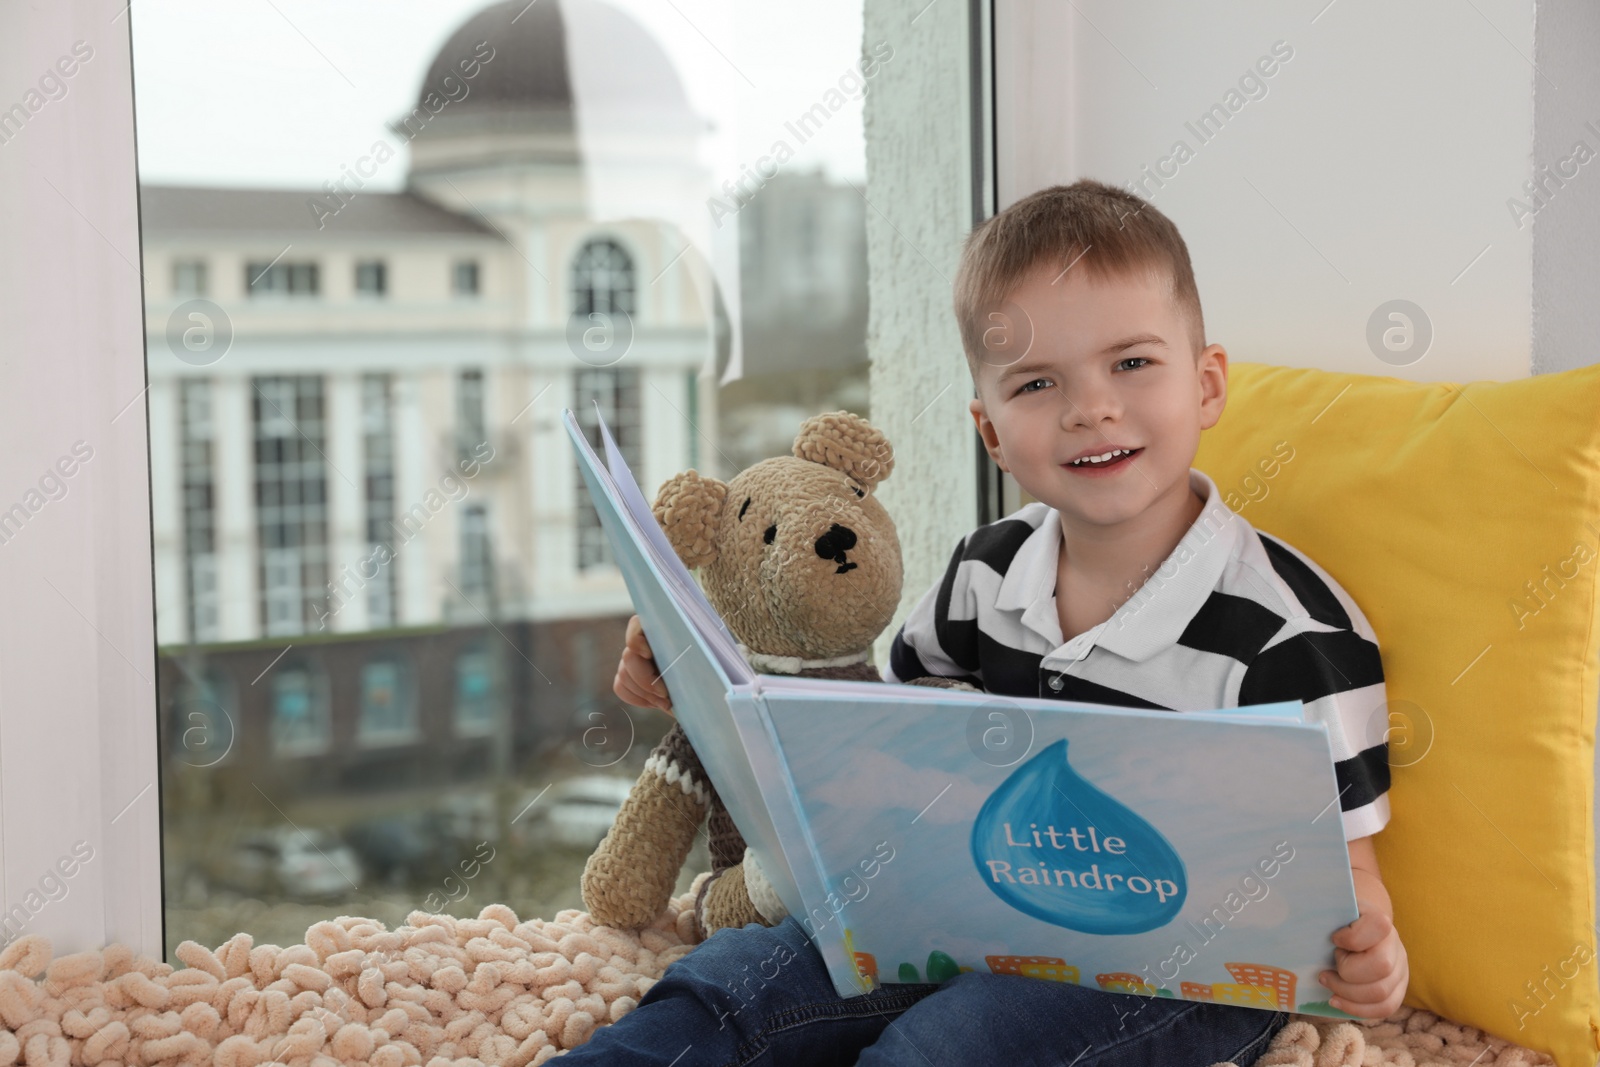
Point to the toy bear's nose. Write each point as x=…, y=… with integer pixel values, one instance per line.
x=835, y=543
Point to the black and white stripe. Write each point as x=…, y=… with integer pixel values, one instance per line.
x=1234, y=616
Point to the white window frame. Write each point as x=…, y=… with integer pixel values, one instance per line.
x=78, y=731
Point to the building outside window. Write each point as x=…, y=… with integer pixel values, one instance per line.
x=299, y=711
x=377, y=448
x=464, y=278
x=372, y=278
x=291, y=503
x=335, y=425
x=199, y=511
x=189, y=277
x=266, y=278
x=616, y=391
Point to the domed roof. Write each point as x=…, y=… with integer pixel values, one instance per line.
x=529, y=68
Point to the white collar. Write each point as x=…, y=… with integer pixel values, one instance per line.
x=1157, y=614
x=762, y=663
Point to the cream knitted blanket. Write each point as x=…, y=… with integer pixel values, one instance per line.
x=448, y=992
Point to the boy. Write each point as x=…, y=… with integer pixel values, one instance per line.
x=1129, y=582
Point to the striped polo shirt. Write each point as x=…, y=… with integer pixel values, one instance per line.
x=1233, y=616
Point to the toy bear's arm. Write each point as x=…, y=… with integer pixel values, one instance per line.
x=934, y=681
x=629, y=879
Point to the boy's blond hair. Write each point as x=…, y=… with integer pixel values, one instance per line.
x=1089, y=225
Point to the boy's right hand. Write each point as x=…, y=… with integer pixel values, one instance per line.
x=638, y=681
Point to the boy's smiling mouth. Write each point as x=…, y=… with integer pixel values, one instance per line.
x=1113, y=458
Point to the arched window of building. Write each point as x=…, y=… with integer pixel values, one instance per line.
x=602, y=279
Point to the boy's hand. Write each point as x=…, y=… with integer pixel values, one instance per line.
x=1372, y=963
x=638, y=682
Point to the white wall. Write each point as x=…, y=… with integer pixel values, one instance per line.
x=1566, y=229
x=919, y=210
x=1376, y=166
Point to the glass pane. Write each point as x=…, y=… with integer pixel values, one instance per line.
x=385, y=245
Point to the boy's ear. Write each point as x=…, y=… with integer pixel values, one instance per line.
x=688, y=507
x=991, y=440
x=1213, y=374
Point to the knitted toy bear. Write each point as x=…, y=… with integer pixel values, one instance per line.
x=803, y=564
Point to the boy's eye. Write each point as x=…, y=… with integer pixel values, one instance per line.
x=1042, y=383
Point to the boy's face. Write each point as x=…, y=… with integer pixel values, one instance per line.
x=1086, y=365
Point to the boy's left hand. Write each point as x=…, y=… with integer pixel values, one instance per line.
x=1372, y=967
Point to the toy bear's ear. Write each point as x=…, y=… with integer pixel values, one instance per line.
x=846, y=443
x=687, y=507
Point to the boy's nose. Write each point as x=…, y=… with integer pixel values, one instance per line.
x=1088, y=405
x=835, y=543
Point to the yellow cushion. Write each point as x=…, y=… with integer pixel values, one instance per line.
x=1465, y=521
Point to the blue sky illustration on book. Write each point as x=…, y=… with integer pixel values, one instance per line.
x=922, y=804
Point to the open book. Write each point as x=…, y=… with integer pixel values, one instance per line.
x=918, y=832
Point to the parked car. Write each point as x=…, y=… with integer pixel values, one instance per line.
x=470, y=816
x=576, y=812
x=287, y=862
x=406, y=848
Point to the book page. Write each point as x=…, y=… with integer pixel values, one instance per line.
x=687, y=591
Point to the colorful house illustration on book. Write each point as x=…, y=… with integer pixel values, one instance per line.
x=1255, y=984
x=1124, y=982
x=1047, y=967
x=866, y=963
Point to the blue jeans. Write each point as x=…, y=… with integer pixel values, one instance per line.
x=763, y=996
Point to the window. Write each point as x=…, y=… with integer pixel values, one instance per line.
x=199, y=512
x=291, y=503
x=371, y=278
x=299, y=711
x=377, y=448
x=266, y=278
x=334, y=556
x=475, y=696
x=188, y=277
x=602, y=279
x=388, y=714
x=616, y=390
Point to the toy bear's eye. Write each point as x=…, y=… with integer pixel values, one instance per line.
x=744, y=508
x=857, y=491
x=772, y=532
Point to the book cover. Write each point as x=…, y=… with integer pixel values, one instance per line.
x=916, y=833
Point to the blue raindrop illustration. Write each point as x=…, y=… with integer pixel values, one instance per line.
x=1073, y=873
